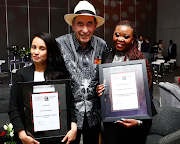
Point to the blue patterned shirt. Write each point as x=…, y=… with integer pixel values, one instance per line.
x=84, y=75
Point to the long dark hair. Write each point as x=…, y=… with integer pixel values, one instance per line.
x=55, y=64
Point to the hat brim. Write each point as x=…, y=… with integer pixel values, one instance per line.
x=69, y=18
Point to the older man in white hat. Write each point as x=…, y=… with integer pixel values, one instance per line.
x=82, y=51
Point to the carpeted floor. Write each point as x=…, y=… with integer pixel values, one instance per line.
x=3, y=74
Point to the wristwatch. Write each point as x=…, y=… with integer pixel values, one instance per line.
x=139, y=122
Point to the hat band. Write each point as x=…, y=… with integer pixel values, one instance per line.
x=85, y=11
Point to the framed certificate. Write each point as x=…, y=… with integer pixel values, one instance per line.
x=46, y=109
x=127, y=93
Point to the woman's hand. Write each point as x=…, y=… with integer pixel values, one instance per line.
x=100, y=89
x=71, y=135
x=128, y=123
x=26, y=139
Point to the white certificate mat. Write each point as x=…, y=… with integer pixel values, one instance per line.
x=43, y=88
x=45, y=111
x=124, y=91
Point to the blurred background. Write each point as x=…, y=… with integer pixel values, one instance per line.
x=21, y=19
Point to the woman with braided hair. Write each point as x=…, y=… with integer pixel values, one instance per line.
x=125, y=49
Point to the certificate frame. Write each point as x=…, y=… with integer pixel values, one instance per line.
x=63, y=88
x=136, y=67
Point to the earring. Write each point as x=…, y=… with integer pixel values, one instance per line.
x=132, y=42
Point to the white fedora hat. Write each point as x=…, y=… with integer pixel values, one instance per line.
x=84, y=8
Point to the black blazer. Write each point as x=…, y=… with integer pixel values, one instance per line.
x=173, y=51
x=23, y=75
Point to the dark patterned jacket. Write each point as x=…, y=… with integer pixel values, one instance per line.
x=83, y=70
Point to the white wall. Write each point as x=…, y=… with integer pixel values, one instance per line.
x=168, y=24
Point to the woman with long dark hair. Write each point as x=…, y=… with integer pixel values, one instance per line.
x=48, y=65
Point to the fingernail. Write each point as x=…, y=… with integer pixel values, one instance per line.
x=116, y=122
x=122, y=119
x=104, y=85
x=101, y=93
x=104, y=88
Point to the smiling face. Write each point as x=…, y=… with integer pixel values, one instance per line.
x=123, y=37
x=39, y=51
x=84, y=27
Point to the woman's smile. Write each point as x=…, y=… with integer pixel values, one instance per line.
x=123, y=37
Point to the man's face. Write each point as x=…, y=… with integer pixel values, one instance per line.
x=141, y=38
x=170, y=41
x=84, y=27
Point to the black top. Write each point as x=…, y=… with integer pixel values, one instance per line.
x=147, y=47
x=24, y=75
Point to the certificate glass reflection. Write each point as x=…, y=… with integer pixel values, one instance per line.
x=124, y=91
x=45, y=109
x=126, y=94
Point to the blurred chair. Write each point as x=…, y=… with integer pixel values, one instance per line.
x=12, y=73
x=172, y=64
x=156, y=70
x=4, y=105
x=174, y=60
x=20, y=64
x=1, y=62
x=162, y=67
x=160, y=57
x=167, y=66
x=177, y=80
x=169, y=94
x=165, y=127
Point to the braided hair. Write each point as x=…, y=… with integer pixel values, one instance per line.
x=133, y=52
